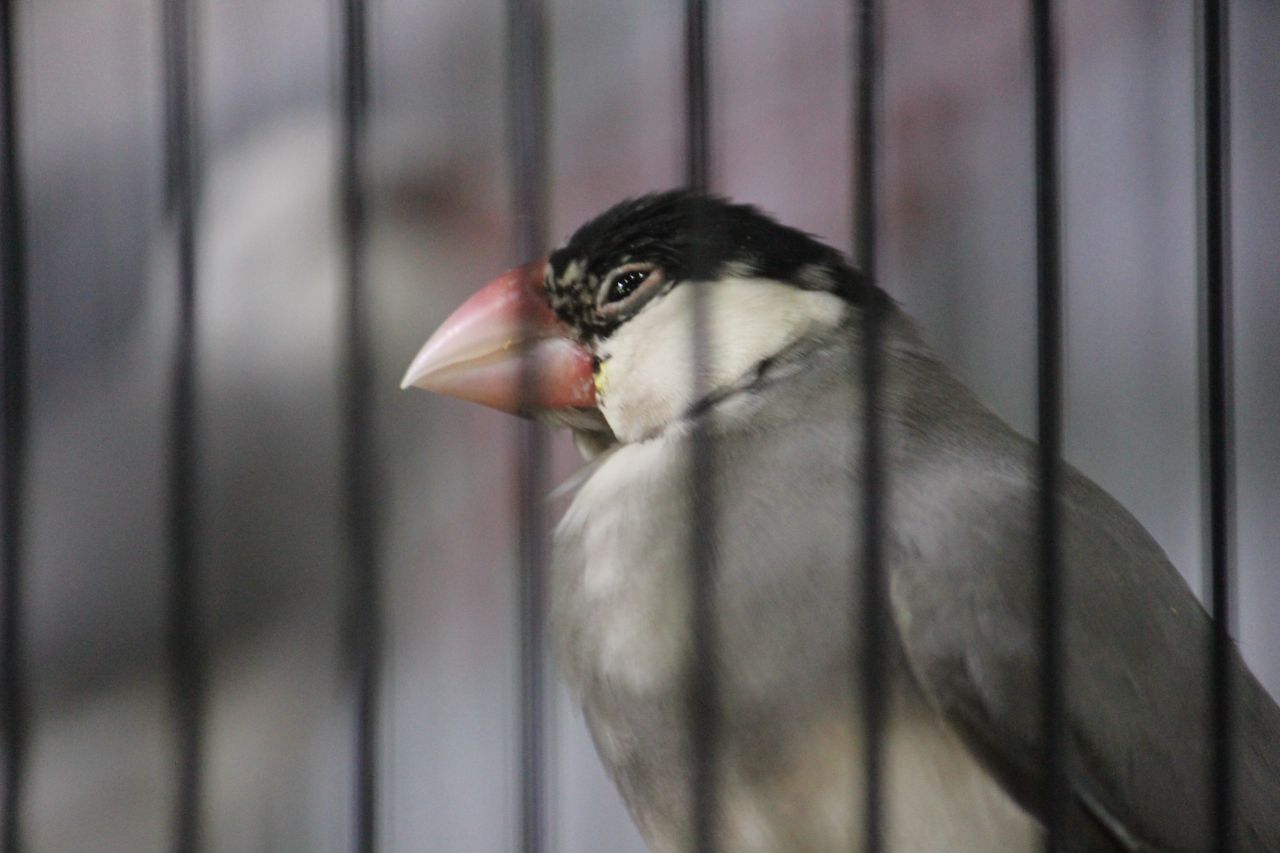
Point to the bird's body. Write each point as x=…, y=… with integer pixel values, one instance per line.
x=788, y=754
x=964, y=768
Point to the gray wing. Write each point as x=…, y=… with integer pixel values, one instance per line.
x=963, y=582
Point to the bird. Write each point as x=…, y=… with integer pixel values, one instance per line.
x=599, y=337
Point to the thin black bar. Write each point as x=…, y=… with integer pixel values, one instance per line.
x=872, y=680
x=1215, y=284
x=13, y=308
x=186, y=650
x=528, y=116
x=1049, y=417
x=703, y=696
x=697, y=113
x=364, y=636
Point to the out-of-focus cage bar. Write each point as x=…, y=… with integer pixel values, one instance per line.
x=697, y=80
x=703, y=696
x=1049, y=417
x=13, y=315
x=364, y=622
x=870, y=683
x=526, y=84
x=1216, y=423
x=186, y=652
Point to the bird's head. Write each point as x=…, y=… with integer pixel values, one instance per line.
x=607, y=322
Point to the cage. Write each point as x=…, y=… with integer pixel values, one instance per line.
x=255, y=598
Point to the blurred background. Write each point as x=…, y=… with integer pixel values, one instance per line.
x=958, y=253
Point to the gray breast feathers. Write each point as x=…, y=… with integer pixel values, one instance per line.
x=962, y=572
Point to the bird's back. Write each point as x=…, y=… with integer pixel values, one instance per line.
x=1136, y=641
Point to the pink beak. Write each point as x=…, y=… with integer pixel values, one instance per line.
x=478, y=353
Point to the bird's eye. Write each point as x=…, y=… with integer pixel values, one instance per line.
x=620, y=291
x=625, y=284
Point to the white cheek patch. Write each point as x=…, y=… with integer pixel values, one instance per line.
x=649, y=359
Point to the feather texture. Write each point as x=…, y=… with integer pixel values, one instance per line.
x=962, y=744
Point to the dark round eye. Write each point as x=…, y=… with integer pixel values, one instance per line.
x=625, y=284
x=628, y=288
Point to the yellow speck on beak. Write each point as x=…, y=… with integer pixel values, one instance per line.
x=601, y=379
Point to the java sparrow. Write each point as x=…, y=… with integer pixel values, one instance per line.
x=608, y=326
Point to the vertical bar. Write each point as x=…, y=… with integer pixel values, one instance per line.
x=703, y=696
x=186, y=652
x=364, y=618
x=13, y=307
x=873, y=676
x=526, y=82
x=1216, y=438
x=1049, y=416
x=697, y=72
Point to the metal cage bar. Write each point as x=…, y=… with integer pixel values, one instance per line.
x=868, y=565
x=13, y=315
x=703, y=696
x=186, y=649
x=697, y=94
x=1049, y=416
x=1216, y=433
x=526, y=82
x=364, y=617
